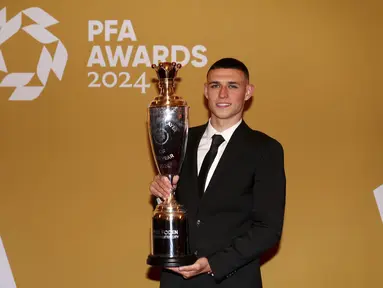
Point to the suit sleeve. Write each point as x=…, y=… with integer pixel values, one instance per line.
x=267, y=215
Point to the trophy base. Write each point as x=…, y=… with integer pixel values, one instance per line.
x=171, y=261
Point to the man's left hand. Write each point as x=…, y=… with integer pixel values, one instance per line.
x=199, y=267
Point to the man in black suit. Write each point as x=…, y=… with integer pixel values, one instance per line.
x=232, y=185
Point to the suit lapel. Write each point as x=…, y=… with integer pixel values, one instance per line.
x=233, y=149
x=194, y=142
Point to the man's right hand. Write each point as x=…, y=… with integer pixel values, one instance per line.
x=161, y=187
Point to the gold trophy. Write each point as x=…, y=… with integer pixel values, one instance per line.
x=168, y=130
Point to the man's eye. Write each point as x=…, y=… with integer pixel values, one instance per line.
x=233, y=86
x=214, y=86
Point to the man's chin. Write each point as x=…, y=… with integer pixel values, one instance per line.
x=222, y=116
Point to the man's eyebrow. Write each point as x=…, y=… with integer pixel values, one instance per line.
x=230, y=82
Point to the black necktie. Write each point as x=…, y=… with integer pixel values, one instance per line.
x=207, y=161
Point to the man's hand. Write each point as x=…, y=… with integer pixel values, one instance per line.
x=199, y=267
x=161, y=187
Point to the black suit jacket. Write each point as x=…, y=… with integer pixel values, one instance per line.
x=241, y=213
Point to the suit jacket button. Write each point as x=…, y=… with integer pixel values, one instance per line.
x=198, y=222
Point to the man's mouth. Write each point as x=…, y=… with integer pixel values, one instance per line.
x=223, y=105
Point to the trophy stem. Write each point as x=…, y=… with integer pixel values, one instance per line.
x=170, y=200
x=171, y=197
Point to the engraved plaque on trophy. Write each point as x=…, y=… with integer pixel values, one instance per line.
x=168, y=130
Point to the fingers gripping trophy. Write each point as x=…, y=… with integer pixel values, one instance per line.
x=168, y=123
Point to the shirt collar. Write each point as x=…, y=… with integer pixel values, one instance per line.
x=226, y=134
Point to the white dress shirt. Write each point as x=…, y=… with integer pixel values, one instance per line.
x=205, y=143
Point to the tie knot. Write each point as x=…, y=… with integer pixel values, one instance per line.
x=217, y=140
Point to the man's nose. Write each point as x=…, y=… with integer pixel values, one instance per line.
x=223, y=92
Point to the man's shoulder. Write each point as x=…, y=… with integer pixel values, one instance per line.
x=263, y=140
x=262, y=136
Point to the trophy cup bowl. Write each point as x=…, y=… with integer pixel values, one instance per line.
x=168, y=125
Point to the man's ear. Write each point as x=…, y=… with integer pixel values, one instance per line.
x=249, y=91
x=205, y=91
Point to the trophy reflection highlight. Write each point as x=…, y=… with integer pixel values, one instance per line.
x=168, y=123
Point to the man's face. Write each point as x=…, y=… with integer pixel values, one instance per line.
x=227, y=90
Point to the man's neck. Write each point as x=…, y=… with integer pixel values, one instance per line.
x=223, y=124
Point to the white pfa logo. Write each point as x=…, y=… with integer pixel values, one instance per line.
x=46, y=62
x=6, y=276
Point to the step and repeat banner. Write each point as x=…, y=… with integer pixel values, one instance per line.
x=75, y=160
